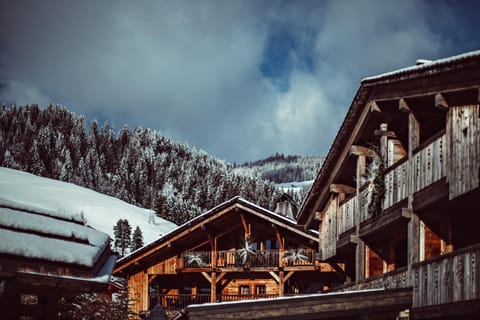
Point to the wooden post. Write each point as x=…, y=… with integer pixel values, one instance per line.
x=414, y=225
x=144, y=293
x=213, y=296
x=281, y=283
x=360, y=248
x=384, y=135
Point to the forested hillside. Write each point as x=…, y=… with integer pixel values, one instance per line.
x=280, y=168
x=137, y=165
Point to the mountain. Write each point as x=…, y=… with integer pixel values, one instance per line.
x=139, y=166
x=26, y=191
x=292, y=174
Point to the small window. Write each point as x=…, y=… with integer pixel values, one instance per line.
x=244, y=290
x=261, y=289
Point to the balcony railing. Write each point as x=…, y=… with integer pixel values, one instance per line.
x=428, y=166
x=429, y=162
x=391, y=280
x=260, y=259
x=346, y=217
x=446, y=279
x=177, y=302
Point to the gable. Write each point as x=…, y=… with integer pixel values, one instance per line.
x=228, y=223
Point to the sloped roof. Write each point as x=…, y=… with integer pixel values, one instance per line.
x=429, y=68
x=48, y=249
x=188, y=229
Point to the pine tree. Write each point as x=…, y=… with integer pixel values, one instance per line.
x=122, y=232
x=137, y=239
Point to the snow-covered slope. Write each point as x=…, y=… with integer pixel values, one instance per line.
x=26, y=191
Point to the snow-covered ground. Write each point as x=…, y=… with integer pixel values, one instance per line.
x=29, y=192
x=296, y=186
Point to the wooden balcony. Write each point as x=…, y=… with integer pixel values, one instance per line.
x=232, y=259
x=428, y=166
x=176, y=302
x=451, y=278
x=391, y=280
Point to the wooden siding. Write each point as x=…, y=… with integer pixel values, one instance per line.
x=463, y=143
x=346, y=215
x=169, y=266
x=328, y=230
x=138, y=291
x=447, y=279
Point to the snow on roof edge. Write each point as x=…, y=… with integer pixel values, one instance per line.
x=423, y=66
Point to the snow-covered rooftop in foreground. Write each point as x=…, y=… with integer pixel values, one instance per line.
x=27, y=192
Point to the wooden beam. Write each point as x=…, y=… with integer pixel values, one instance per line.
x=288, y=276
x=403, y=105
x=246, y=229
x=341, y=188
x=374, y=107
x=362, y=151
x=274, y=276
x=152, y=277
x=440, y=102
x=206, y=276
x=213, y=290
x=279, y=239
x=318, y=216
x=220, y=276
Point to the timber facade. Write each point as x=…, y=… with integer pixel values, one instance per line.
x=236, y=251
x=398, y=194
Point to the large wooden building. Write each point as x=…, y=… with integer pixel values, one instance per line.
x=236, y=251
x=397, y=199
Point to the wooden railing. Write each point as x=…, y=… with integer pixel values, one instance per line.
x=392, y=280
x=259, y=259
x=177, y=302
x=446, y=279
x=346, y=217
x=427, y=165
x=396, y=180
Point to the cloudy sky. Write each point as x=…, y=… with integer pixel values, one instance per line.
x=238, y=79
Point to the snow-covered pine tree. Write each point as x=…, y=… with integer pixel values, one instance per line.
x=122, y=232
x=137, y=239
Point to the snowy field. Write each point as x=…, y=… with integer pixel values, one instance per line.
x=29, y=192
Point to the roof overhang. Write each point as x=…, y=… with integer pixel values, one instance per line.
x=379, y=302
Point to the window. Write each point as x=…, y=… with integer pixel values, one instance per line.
x=244, y=290
x=260, y=289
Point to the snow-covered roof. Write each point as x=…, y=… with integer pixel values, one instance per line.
x=33, y=235
x=423, y=65
x=66, y=201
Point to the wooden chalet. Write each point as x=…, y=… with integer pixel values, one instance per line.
x=46, y=255
x=235, y=251
x=397, y=199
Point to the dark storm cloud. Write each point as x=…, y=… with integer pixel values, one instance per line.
x=195, y=70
